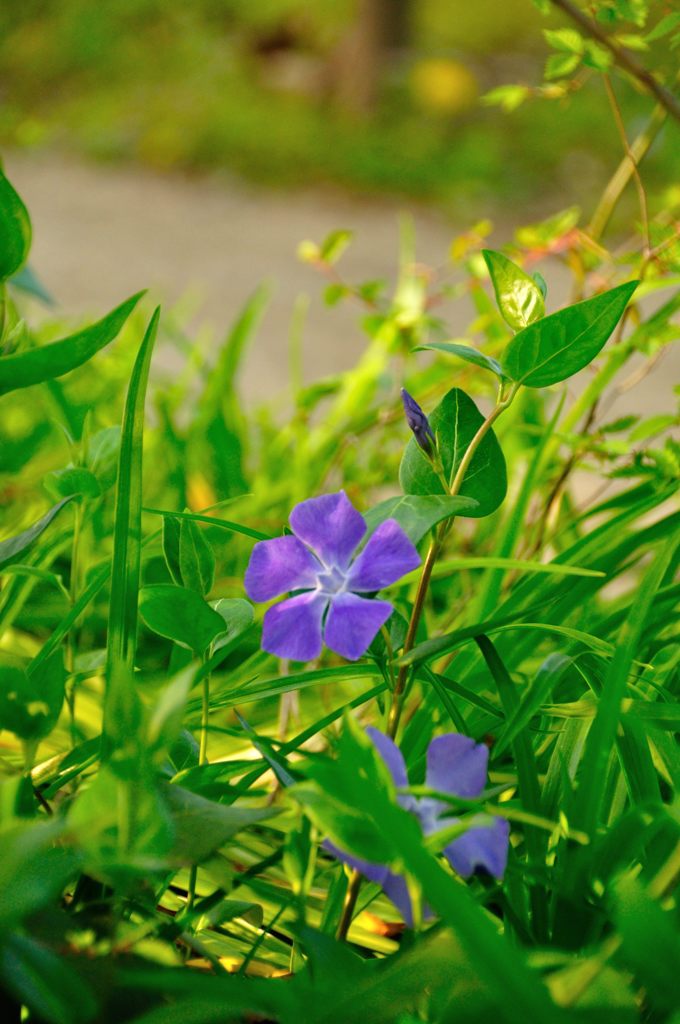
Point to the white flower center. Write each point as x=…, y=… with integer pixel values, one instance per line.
x=331, y=581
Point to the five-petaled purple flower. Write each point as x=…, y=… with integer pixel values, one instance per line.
x=419, y=423
x=318, y=560
x=456, y=765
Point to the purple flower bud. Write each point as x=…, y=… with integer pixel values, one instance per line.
x=419, y=423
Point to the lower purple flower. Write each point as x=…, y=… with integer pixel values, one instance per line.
x=457, y=766
x=319, y=560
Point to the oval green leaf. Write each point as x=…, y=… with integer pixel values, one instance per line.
x=418, y=513
x=180, y=615
x=15, y=230
x=455, y=422
x=53, y=360
x=563, y=343
x=520, y=299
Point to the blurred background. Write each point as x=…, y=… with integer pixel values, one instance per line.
x=191, y=146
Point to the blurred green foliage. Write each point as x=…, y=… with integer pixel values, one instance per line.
x=262, y=88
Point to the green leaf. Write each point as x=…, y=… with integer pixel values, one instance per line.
x=651, y=943
x=334, y=244
x=170, y=542
x=45, y=982
x=520, y=299
x=466, y=352
x=567, y=40
x=12, y=547
x=455, y=422
x=559, y=65
x=53, y=360
x=165, y=721
x=30, y=701
x=563, y=343
x=180, y=615
x=201, y=826
x=76, y=481
x=237, y=615
x=15, y=230
x=224, y=524
x=121, y=704
x=417, y=514
x=196, y=558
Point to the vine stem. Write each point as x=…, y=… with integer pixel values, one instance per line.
x=433, y=552
x=74, y=586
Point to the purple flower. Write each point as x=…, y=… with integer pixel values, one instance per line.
x=419, y=423
x=318, y=561
x=455, y=765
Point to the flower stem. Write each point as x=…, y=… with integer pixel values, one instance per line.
x=433, y=552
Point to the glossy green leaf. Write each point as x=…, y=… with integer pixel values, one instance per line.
x=12, y=547
x=520, y=299
x=466, y=352
x=455, y=422
x=196, y=558
x=180, y=614
x=59, y=357
x=565, y=342
x=121, y=705
x=15, y=230
x=418, y=513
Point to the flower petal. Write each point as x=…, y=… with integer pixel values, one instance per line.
x=373, y=872
x=396, y=889
x=279, y=565
x=394, y=760
x=457, y=765
x=330, y=525
x=388, y=555
x=484, y=848
x=353, y=622
x=292, y=628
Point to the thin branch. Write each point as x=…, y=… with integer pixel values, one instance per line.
x=622, y=57
x=642, y=196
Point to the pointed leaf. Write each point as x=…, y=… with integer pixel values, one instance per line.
x=466, y=352
x=416, y=514
x=12, y=547
x=53, y=360
x=563, y=343
x=520, y=299
x=196, y=558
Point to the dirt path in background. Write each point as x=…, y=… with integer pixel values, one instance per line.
x=102, y=233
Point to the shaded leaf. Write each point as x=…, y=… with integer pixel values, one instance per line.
x=418, y=513
x=15, y=231
x=181, y=615
x=455, y=422
x=12, y=547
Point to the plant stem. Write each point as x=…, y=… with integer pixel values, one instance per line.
x=639, y=148
x=394, y=715
x=642, y=197
x=73, y=597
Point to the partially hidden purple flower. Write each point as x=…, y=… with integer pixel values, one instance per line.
x=456, y=765
x=419, y=423
x=319, y=561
